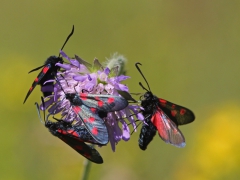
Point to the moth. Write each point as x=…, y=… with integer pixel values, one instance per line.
x=162, y=116
x=48, y=72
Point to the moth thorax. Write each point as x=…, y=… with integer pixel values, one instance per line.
x=53, y=60
x=74, y=99
x=147, y=99
x=148, y=96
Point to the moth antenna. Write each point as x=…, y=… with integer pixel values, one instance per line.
x=67, y=39
x=47, y=117
x=75, y=89
x=38, y=111
x=84, y=90
x=59, y=84
x=143, y=87
x=43, y=104
x=139, y=70
x=64, y=79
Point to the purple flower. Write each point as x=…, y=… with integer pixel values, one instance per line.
x=77, y=78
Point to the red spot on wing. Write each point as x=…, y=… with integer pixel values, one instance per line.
x=173, y=106
x=73, y=133
x=31, y=88
x=173, y=113
x=76, y=109
x=111, y=100
x=36, y=80
x=162, y=101
x=97, y=99
x=78, y=147
x=45, y=70
x=100, y=103
x=94, y=131
x=91, y=119
x=61, y=131
x=93, y=110
x=83, y=96
x=182, y=111
x=86, y=154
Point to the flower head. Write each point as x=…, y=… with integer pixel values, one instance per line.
x=79, y=76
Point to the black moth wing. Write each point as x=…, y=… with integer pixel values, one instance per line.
x=85, y=150
x=107, y=103
x=75, y=136
x=38, y=80
x=47, y=73
x=178, y=114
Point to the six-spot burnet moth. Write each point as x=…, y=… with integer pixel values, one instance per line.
x=48, y=72
x=73, y=135
x=92, y=108
x=162, y=116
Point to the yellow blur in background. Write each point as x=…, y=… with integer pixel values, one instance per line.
x=217, y=155
x=190, y=55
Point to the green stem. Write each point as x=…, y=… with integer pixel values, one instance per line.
x=87, y=166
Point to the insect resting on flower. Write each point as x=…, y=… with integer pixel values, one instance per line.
x=91, y=108
x=162, y=116
x=73, y=135
x=48, y=72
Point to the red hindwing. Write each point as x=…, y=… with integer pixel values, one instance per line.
x=167, y=129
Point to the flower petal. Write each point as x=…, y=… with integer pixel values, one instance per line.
x=80, y=78
x=64, y=66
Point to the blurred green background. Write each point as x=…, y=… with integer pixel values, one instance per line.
x=190, y=56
